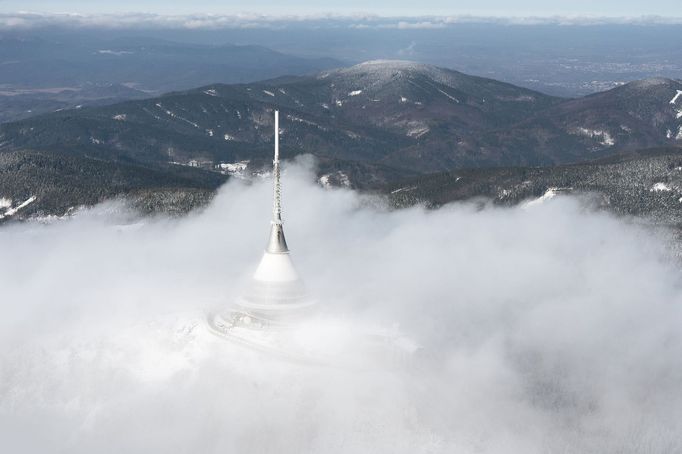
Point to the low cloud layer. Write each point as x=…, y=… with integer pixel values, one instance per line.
x=28, y=20
x=547, y=329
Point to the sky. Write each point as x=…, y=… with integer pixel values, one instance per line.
x=615, y=8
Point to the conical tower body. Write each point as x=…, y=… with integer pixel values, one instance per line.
x=276, y=290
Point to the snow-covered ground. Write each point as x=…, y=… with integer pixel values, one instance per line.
x=339, y=176
x=11, y=211
x=660, y=187
x=603, y=136
x=174, y=115
x=406, y=189
x=417, y=129
x=237, y=169
x=548, y=195
x=449, y=96
x=676, y=97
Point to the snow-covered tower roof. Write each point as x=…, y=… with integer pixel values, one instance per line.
x=276, y=289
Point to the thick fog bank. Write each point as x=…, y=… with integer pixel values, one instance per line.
x=547, y=329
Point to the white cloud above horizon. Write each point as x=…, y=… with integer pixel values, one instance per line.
x=28, y=19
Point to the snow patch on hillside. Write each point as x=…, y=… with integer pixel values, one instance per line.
x=549, y=194
x=406, y=189
x=660, y=187
x=210, y=92
x=175, y=116
x=152, y=114
x=355, y=93
x=604, y=137
x=119, y=117
x=5, y=202
x=677, y=95
x=417, y=129
x=269, y=93
x=12, y=211
x=449, y=95
x=324, y=181
x=236, y=169
x=338, y=177
x=306, y=122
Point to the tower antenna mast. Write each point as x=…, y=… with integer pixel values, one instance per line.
x=277, y=244
x=277, y=189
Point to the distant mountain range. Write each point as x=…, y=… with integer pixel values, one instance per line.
x=19, y=103
x=149, y=64
x=369, y=125
x=41, y=74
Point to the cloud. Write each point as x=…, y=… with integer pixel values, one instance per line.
x=421, y=25
x=551, y=329
x=409, y=50
x=27, y=20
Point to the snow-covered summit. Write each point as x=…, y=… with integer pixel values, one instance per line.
x=381, y=72
x=378, y=67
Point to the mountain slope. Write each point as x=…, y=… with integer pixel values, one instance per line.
x=54, y=183
x=34, y=182
x=637, y=115
x=399, y=114
x=396, y=113
x=646, y=183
